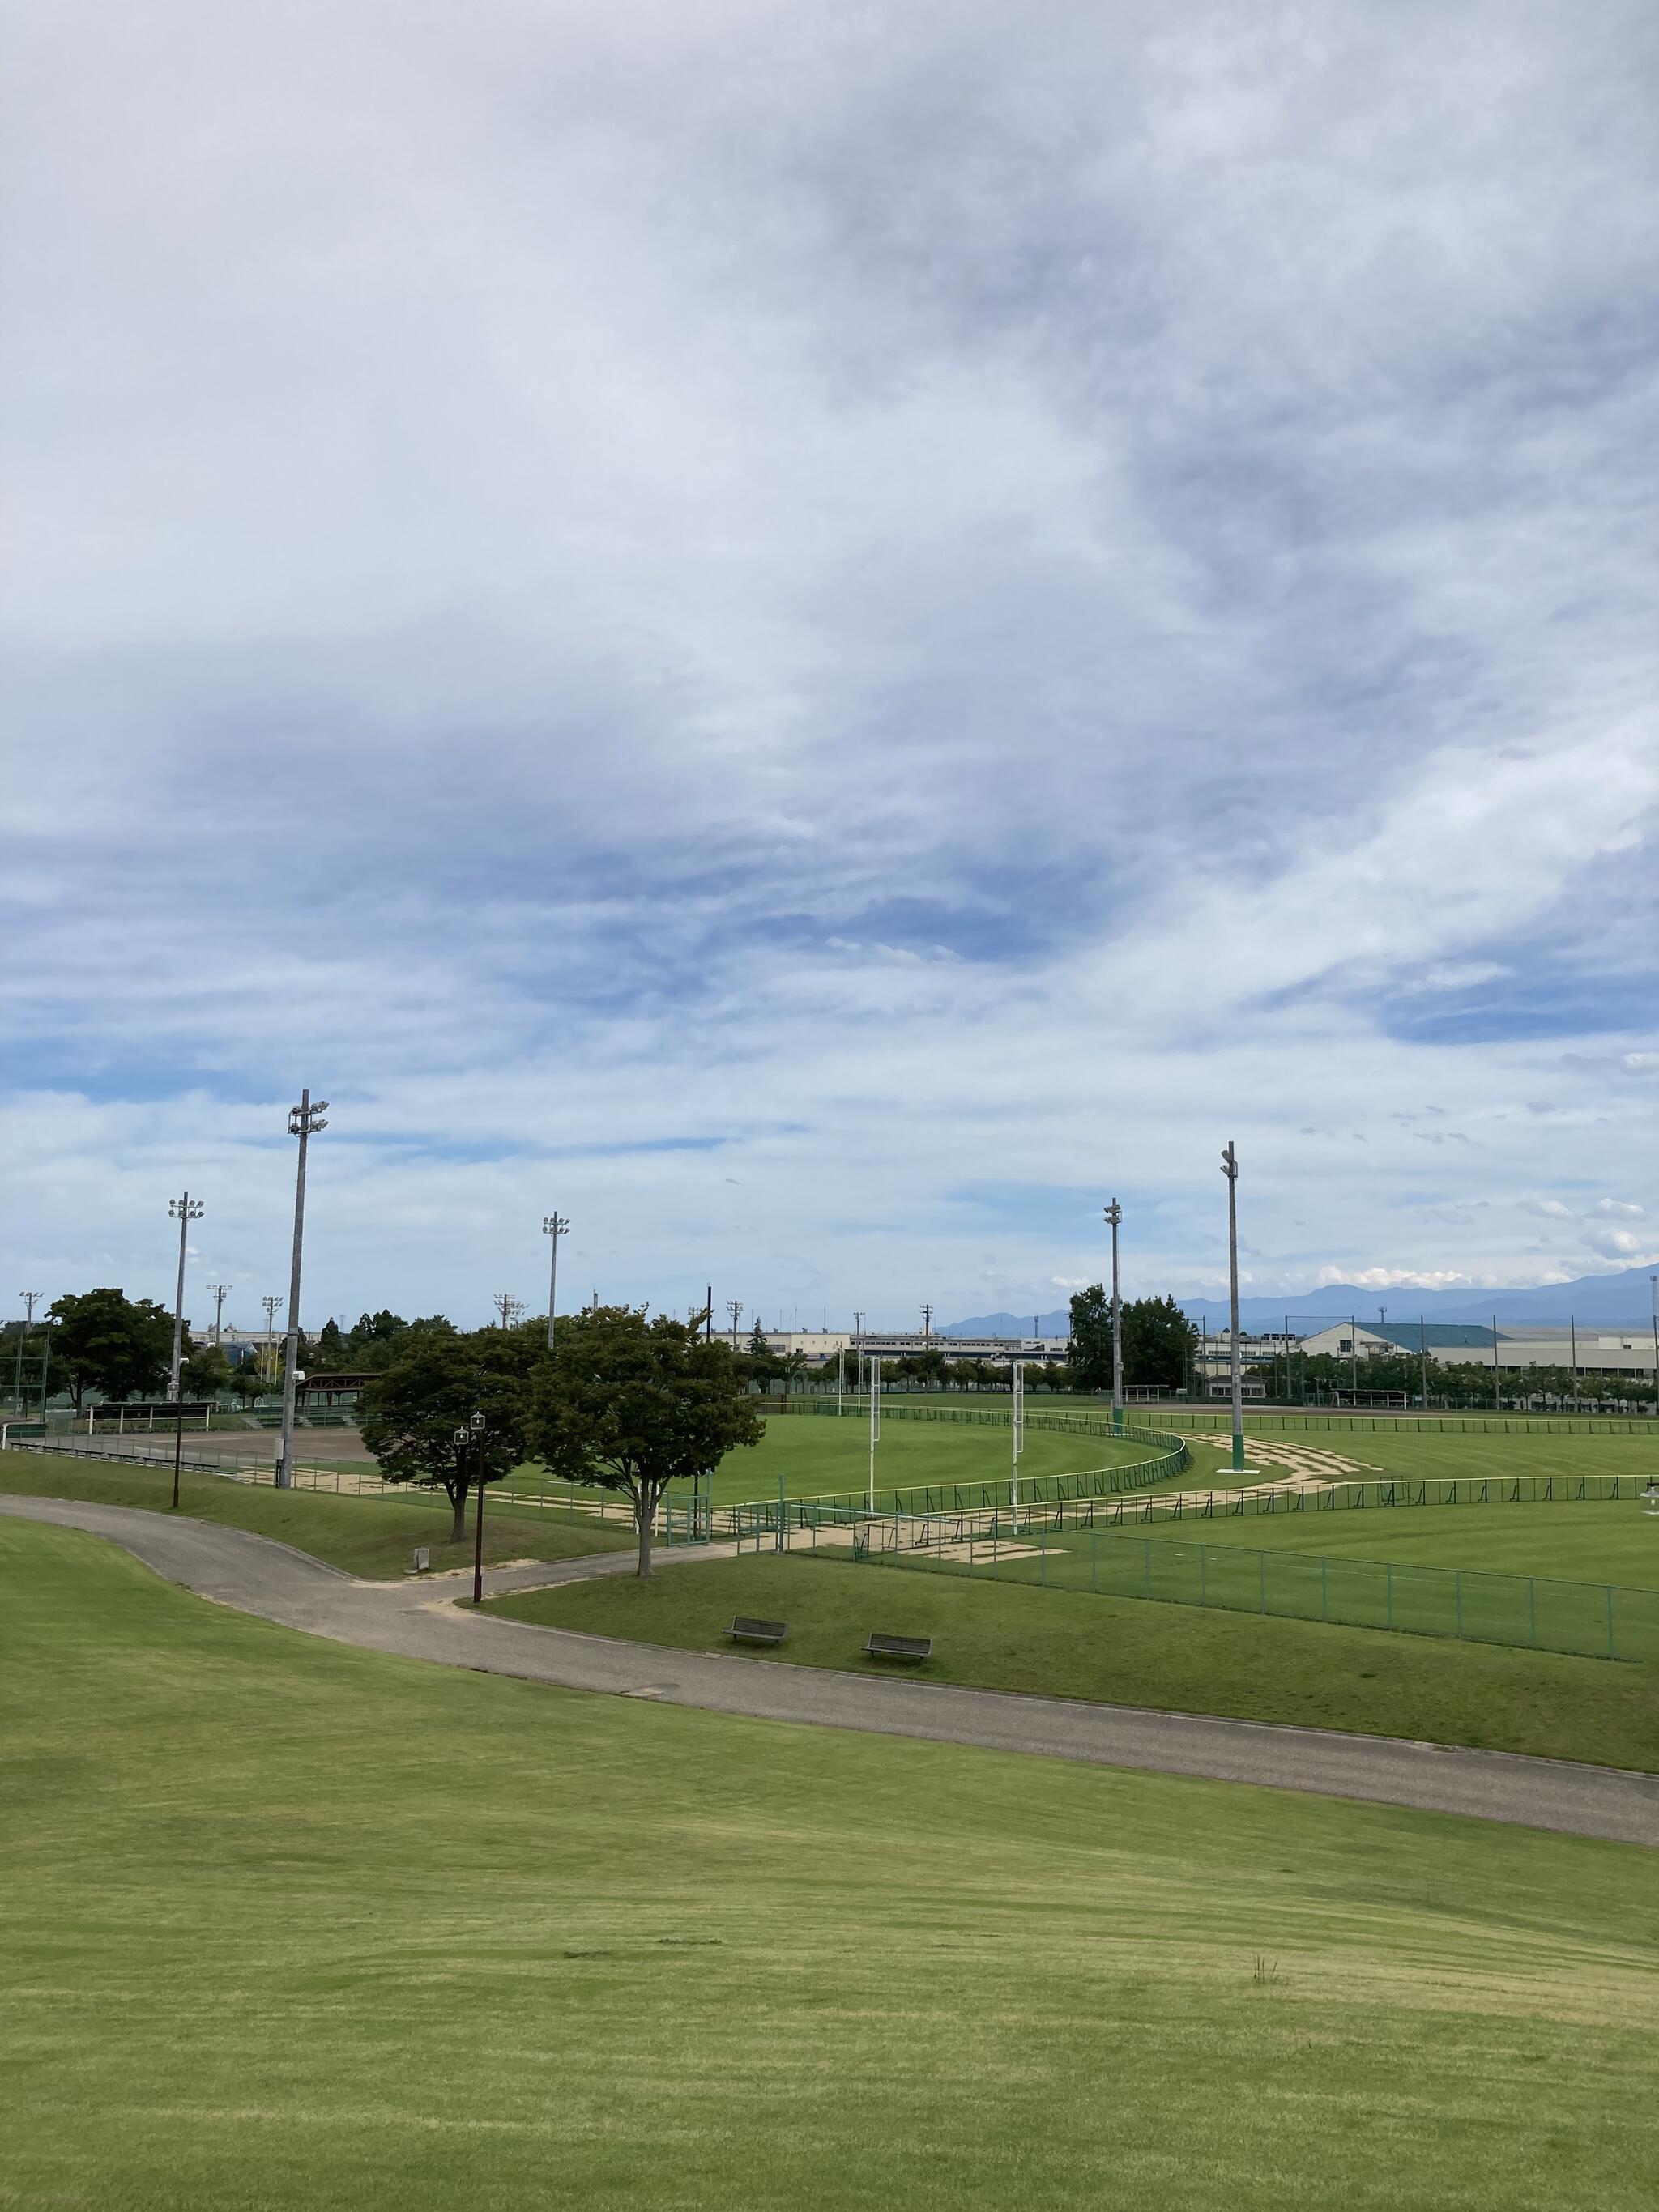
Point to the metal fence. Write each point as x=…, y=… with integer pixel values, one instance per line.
x=1542, y=1614
x=1203, y=1420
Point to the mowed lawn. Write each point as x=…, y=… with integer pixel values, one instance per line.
x=1403, y=1450
x=1118, y=1650
x=370, y=1536
x=293, y=1925
x=1603, y=1541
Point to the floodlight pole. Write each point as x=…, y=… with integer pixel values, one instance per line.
x=1113, y=1216
x=1017, y=1368
x=1572, y=1326
x=184, y=1210
x=1229, y=1169
x=1422, y=1348
x=28, y=1298
x=555, y=1225
x=303, y=1122
x=875, y=1424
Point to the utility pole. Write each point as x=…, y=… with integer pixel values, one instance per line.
x=1113, y=1216
x=555, y=1225
x=1653, y=1301
x=303, y=1122
x=1572, y=1325
x=709, y=1315
x=184, y=1210
x=28, y=1298
x=926, y=1323
x=220, y=1292
x=1229, y=1169
x=507, y=1307
x=1497, y=1384
x=1423, y=1349
x=268, y=1350
x=735, y=1307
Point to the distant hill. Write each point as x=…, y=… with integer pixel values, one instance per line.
x=1624, y=1299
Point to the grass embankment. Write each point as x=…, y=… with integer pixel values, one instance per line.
x=1125, y=1652
x=1606, y=1540
x=368, y=1536
x=289, y=1924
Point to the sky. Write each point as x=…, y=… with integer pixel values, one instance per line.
x=824, y=637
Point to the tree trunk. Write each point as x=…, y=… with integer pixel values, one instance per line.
x=458, y=1506
x=645, y=1510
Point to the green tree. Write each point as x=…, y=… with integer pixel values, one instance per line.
x=205, y=1373
x=1091, y=1358
x=373, y=1341
x=330, y=1348
x=437, y=1379
x=631, y=1405
x=1158, y=1343
x=792, y=1367
x=103, y=1340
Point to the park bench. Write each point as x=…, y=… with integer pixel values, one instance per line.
x=899, y=1647
x=757, y=1632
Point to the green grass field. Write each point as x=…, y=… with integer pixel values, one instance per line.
x=1403, y=1452
x=1008, y=1635
x=292, y=1925
x=1604, y=1540
x=368, y=1536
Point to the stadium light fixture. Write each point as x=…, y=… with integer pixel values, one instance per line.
x=184, y=1210
x=303, y=1122
x=1113, y=1216
x=1229, y=1169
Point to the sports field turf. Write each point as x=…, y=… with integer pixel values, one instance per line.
x=1601, y=1540
x=1411, y=1453
x=289, y=1924
x=369, y=1536
x=1008, y=1635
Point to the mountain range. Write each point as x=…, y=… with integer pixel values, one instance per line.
x=1624, y=1298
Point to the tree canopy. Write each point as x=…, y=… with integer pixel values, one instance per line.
x=631, y=1405
x=120, y=1347
x=437, y=1379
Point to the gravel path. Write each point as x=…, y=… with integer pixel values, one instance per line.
x=423, y=1621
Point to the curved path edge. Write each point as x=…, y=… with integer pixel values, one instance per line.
x=420, y=1620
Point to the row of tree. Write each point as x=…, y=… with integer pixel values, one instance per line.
x=622, y=1403
x=1327, y=1376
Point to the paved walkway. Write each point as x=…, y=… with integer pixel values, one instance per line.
x=422, y=1620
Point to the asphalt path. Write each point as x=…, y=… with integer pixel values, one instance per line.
x=423, y=1621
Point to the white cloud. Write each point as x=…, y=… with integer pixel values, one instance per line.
x=944, y=604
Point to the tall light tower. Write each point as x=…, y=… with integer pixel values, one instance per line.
x=303, y=1122
x=1113, y=1216
x=28, y=1298
x=555, y=1225
x=184, y=1210
x=1229, y=1169
x=221, y=1293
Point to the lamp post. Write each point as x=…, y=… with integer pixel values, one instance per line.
x=184, y=1210
x=479, y=1425
x=1229, y=1169
x=555, y=1225
x=303, y=1122
x=1113, y=1216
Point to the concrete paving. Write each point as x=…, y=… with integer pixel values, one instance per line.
x=422, y=1619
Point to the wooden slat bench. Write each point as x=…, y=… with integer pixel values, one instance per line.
x=899, y=1647
x=757, y=1632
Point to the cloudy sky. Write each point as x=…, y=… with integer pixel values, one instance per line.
x=822, y=636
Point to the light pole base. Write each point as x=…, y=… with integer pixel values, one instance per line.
x=1238, y=1456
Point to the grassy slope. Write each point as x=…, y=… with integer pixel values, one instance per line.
x=1001, y=1636
x=369, y=1536
x=291, y=1925
x=1607, y=1541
